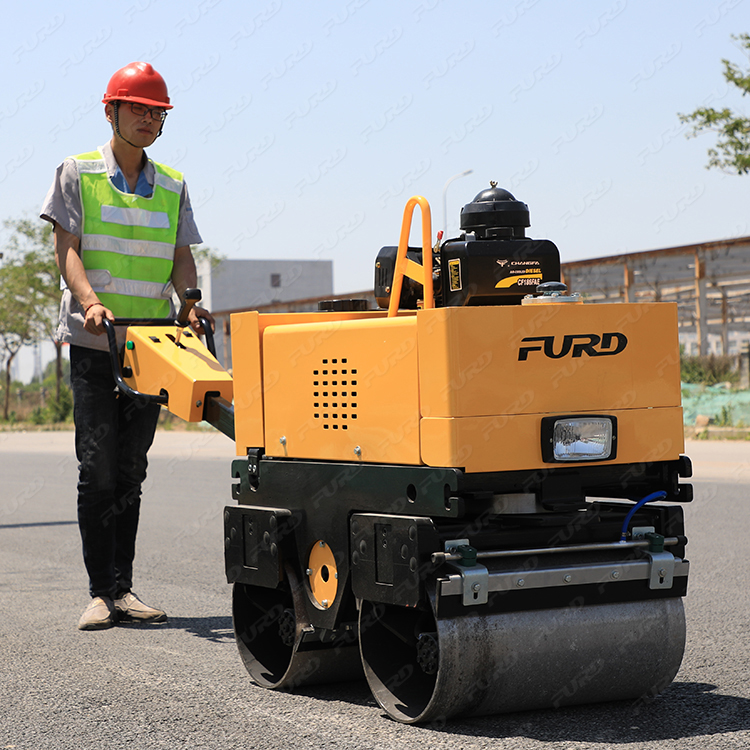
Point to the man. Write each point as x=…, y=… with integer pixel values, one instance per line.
x=123, y=227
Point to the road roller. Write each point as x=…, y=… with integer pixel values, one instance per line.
x=471, y=496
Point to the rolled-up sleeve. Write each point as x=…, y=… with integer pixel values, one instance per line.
x=63, y=202
x=187, y=231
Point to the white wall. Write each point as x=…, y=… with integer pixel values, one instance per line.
x=246, y=284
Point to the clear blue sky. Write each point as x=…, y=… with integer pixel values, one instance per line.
x=303, y=127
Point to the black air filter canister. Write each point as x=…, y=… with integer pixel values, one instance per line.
x=495, y=213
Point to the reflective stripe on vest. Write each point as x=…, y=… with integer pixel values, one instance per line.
x=103, y=281
x=135, y=217
x=128, y=241
x=130, y=247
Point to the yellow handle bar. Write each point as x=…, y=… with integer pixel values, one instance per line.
x=404, y=266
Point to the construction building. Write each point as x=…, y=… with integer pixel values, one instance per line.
x=710, y=282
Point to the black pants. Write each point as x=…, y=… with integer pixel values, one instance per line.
x=113, y=435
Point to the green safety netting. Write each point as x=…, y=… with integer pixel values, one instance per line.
x=719, y=402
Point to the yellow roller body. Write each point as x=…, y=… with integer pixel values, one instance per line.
x=456, y=387
x=186, y=370
x=252, y=381
x=426, y=485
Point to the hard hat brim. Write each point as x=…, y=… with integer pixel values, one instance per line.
x=139, y=99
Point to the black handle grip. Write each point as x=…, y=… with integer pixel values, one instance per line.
x=141, y=398
x=190, y=298
x=209, y=333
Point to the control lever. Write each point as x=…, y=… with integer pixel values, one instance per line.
x=190, y=297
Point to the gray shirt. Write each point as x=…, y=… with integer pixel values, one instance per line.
x=63, y=206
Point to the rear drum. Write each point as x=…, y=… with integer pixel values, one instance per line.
x=420, y=668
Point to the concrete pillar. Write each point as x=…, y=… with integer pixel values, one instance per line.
x=701, y=305
x=745, y=365
x=724, y=323
x=629, y=281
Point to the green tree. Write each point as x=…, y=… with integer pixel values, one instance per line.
x=30, y=252
x=732, y=152
x=207, y=253
x=16, y=325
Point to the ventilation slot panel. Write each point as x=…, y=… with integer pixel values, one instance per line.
x=334, y=392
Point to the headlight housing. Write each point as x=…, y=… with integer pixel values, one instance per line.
x=579, y=437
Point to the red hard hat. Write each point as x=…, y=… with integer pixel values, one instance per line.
x=138, y=82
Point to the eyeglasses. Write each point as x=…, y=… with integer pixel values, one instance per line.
x=156, y=113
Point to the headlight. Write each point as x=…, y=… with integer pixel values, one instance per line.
x=579, y=438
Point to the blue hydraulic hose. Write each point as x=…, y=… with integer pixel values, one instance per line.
x=660, y=495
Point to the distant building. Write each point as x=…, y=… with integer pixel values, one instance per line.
x=234, y=285
x=709, y=281
x=250, y=284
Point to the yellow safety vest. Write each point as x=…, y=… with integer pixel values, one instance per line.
x=128, y=241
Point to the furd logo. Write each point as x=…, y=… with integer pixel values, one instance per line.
x=574, y=345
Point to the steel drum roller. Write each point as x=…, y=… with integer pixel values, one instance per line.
x=488, y=664
x=277, y=645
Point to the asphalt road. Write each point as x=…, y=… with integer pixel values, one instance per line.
x=182, y=685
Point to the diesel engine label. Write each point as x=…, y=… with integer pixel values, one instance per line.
x=518, y=273
x=528, y=279
x=454, y=273
x=574, y=344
